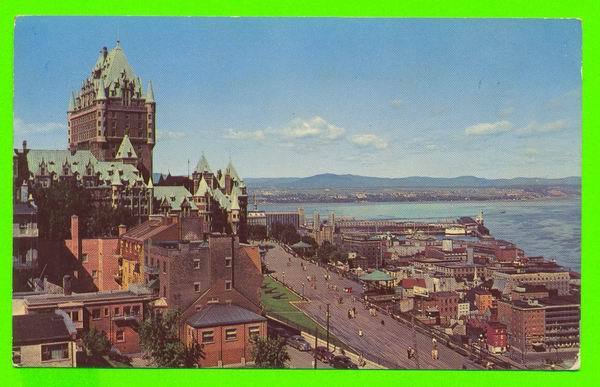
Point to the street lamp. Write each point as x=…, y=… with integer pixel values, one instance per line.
x=302, y=289
x=283, y=277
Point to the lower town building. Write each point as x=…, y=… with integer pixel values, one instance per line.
x=25, y=239
x=225, y=333
x=445, y=303
x=91, y=263
x=44, y=340
x=525, y=322
x=496, y=337
x=556, y=279
x=115, y=313
x=364, y=246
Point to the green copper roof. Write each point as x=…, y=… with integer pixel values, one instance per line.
x=150, y=93
x=175, y=196
x=101, y=94
x=235, y=204
x=232, y=172
x=78, y=163
x=126, y=150
x=376, y=276
x=202, y=165
x=72, y=102
x=203, y=188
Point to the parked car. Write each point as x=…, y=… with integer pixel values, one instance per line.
x=279, y=332
x=298, y=342
x=323, y=354
x=343, y=362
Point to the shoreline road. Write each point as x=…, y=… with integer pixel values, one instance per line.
x=383, y=340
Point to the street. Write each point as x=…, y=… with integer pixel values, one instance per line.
x=385, y=343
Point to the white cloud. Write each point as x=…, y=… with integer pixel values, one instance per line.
x=432, y=147
x=170, y=135
x=313, y=127
x=369, y=140
x=487, y=128
x=22, y=127
x=242, y=135
x=397, y=102
x=553, y=126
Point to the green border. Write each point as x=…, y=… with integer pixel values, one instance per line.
x=585, y=10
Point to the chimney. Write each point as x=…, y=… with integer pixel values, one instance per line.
x=67, y=285
x=75, y=239
x=122, y=229
x=24, y=145
x=104, y=52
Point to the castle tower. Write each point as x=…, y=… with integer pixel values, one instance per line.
x=111, y=105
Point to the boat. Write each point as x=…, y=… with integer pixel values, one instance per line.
x=455, y=231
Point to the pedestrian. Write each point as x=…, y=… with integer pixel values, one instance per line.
x=354, y=312
x=349, y=314
x=382, y=323
x=434, y=354
x=409, y=352
x=360, y=332
x=433, y=341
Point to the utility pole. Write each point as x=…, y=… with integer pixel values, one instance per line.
x=414, y=334
x=328, y=326
x=316, y=344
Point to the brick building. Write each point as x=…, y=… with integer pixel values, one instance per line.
x=484, y=300
x=496, y=337
x=109, y=106
x=225, y=333
x=91, y=263
x=525, y=322
x=446, y=303
x=116, y=313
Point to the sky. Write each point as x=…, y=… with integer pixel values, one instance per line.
x=287, y=97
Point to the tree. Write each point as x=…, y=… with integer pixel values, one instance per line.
x=326, y=252
x=257, y=232
x=95, y=343
x=159, y=338
x=269, y=352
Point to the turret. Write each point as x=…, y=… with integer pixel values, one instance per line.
x=151, y=110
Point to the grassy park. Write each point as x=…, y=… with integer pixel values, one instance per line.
x=277, y=301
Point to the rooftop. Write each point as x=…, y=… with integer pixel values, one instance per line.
x=220, y=314
x=42, y=327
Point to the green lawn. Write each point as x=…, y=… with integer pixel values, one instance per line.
x=276, y=300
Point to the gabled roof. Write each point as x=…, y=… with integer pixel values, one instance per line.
x=203, y=188
x=213, y=315
x=126, y=150
x=202, y=165
x=38, y=328
x=114, y=67
x=175, y=196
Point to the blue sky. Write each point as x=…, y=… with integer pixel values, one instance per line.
x=297, y=97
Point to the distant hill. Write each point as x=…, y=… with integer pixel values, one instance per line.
x=330, y=180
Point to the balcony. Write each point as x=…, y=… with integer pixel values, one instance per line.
x=24, y=232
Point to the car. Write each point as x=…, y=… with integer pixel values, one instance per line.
x=279, y=332
x=343, y=362
x=323, y=354
x=298, y=342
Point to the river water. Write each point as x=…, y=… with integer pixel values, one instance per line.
x=551, y=228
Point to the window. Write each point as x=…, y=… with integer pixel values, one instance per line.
x=127, y=310
x=208, y=337
x=105, y=312
x=254, y=331
x=95, y=314
x=120, y=336
x=227, y=285
x=117, y=311
x=197, y=287
x=196, y=264
x=230, y=334
x=227, y=261
x=55, y=352
x=135, y=310
x=74, y=315
x=84, y=257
